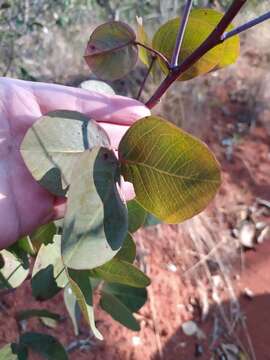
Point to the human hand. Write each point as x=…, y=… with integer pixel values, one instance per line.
x=24, y=204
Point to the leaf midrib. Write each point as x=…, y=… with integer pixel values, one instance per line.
x=164, y=172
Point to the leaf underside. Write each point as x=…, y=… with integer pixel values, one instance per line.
x=95, y=224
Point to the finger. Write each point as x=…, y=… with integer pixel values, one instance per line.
x=127, y=190
x=115, y=132
x=101, y=107
x=60, y=203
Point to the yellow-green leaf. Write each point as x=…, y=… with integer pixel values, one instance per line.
x=200, y=24
x=110, y=52
x=142, y=37
x=174, y=174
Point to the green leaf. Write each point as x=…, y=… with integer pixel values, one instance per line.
x=114, y=305
x=26, y=245
x=200, y=24
x=80, y=284
x=119, y=271
x=95, y=224
x=142, y=37
x=174, y=174
x=43, y=235
x=132, y=298
x=119, y=311
x=97, y=86
x=72, y=308
x=45, y=345
x=13, y=351
x=110, y=52
x=20, y=254
x=29, y=313
x=48, y=276
x=7, y=352
x=14, y=272
x=128, y=250
x=136, y=215
x=54, y=143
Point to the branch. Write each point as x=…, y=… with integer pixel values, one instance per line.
x=155, y=52
x=213, y=40
x=181, y=33
x=146, y=77
x=246, y=26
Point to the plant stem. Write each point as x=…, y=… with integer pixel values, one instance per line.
x=155, y=52
x=181, y=33
x=212, y=40
x=146, y=76
x=246, y=26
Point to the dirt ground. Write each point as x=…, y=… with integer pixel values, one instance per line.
x=236, y=123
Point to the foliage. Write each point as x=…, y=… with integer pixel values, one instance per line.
x=174, y=176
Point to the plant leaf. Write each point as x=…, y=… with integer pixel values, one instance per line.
x=45, y=345
x=48, y=275
x=18, y=251
x=72, y=308
x=200, y=24
x=128, y=250
x=119, y=271
x=43, y=235
x=14, y=272
x=26, y=245
x=7, y=352
x=54, y=143
x=48, y=322
x=174, y=174
x=136, y=215
x=110, y=52
x=80, y=284
x=95, y=224
x=120, y=301
x=142, y=37
x=29, y=313
x=118, y=311
x=132, y=298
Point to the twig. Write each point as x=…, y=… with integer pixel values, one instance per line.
x=181, y=33
x=146, y=77
x=212, y=40
x=246, y=26
x=205, y=257
x=155, y=52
